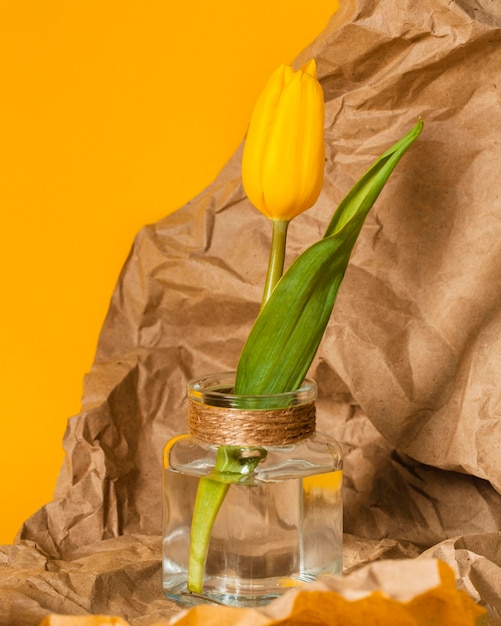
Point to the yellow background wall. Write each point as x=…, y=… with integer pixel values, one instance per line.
x=112, y=115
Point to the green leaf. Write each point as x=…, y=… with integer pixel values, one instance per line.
x=289, y=328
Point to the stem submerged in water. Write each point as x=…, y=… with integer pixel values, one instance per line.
x=210, y=496
x=234, y=464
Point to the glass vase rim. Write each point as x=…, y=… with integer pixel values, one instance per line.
x=216, y=388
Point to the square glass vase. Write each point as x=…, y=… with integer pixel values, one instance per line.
x=278, y=523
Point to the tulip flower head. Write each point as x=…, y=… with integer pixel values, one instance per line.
x=284, y=154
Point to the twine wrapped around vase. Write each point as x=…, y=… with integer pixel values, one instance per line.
x=263, y=427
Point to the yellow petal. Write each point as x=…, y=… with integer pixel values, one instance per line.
x=310, y=67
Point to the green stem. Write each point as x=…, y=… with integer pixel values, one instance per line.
x=210, y=496
x=277, y=257
x=234, y=464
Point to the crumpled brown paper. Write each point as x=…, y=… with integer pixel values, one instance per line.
x=407, y=370
x=418, y=593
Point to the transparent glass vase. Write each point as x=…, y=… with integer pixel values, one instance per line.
x=280, y=525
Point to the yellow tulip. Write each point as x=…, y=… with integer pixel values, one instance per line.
x=284, y=154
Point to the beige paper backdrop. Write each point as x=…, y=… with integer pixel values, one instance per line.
x=407, y=369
